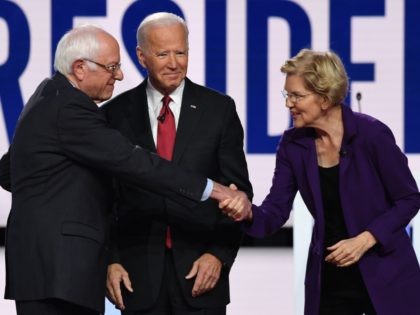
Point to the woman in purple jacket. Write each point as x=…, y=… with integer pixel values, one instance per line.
x=356, y=183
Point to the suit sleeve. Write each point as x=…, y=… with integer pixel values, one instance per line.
x=85, y=138
x=399, y=184
x=233, y=169
x=275, y=210
x=5, y=172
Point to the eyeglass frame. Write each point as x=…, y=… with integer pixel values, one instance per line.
x=293, y=97
x=112, y=68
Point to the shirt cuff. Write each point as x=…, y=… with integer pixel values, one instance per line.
x=207, y=190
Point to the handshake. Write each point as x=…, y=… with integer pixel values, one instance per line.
x=233, y=202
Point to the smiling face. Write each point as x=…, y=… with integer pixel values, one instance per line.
x=98, y=82
x=308, y=109
x=165, y=56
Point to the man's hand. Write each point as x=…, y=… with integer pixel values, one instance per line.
x=207, y=270
x=116, y=275
x=221, y=193
x=238, y=208
x=349, y=251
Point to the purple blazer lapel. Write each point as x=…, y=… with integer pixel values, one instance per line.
x=306, y=152
x=350, y=131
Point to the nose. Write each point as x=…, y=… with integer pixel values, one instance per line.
x=288, y=102
x=119, y=74
x=172, y=63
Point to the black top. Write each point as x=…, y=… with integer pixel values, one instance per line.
x=345, y=281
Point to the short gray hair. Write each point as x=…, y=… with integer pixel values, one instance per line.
x=79, y=43
x=156, y=20
x=322, y=71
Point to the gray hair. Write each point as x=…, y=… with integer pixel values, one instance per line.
x=79, y=43
x=158, y=19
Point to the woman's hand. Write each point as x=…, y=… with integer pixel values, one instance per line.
x=349, y=251
x=238, y=208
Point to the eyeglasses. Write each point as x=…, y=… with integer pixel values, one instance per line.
x=110, y=68
x=294, y=97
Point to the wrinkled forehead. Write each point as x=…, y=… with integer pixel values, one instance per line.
x=167, y=33
x=109, y=46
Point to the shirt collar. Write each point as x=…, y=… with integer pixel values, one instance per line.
x=156, y=96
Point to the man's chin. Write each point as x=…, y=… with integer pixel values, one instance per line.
x=102, y=99
x=174, y=81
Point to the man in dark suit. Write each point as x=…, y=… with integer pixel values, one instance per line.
x=60, y=160
x=191, y=274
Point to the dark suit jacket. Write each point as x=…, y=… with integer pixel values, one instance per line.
x=209, y=141
x=60, y=157
x=377, y=193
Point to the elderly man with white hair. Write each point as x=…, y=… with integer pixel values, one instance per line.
x=62, y=159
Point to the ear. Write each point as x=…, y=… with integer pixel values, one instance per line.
x=326, y=104
x=78, y=69
x=141, y=57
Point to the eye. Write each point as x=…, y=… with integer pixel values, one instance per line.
x=162, y=55
x=113, y=68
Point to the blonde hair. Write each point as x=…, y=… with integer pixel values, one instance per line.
x=322, y=72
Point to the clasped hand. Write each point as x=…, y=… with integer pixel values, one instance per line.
x=234, y=203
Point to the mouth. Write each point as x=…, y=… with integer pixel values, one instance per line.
x=173, y=75
x=294, y=115
x=110, y=88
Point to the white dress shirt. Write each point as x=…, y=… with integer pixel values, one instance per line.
x=154, y=104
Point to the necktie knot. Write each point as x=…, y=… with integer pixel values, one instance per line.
x=166, y=100
x=165, y=110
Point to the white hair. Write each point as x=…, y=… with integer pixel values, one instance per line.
x=157, y=20
x=79, y=43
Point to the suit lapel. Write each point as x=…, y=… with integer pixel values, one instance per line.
x=312, y=173
x=350, y=132
x=191, y=111
x=137, y=114
x=310, y=163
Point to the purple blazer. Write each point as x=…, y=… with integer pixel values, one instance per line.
x=378, y=194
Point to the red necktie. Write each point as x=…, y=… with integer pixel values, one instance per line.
x=165, y=141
